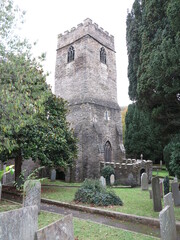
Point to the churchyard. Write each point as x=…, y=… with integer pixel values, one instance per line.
x=136, y=201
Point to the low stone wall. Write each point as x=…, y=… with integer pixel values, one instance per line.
x=62, y=229
x=129, y=171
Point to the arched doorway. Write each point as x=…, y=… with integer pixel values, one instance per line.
x=107, y=152
x=60, y=175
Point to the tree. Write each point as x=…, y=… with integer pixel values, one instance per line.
x=32, y=119
x=155, y=81
x=141, y=135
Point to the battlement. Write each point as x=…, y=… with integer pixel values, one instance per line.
x=83, y=29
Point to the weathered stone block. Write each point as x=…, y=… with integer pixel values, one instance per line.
x=32, y=193
x=144, y=181
x=166, y=225
x=168, y=201
x=157, y=205
x=60, y=230
x=53, y=175
x=112, y=179
x=20, y=224
x=103, y=181
x=176, y=193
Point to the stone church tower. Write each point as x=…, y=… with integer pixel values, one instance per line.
x=85, y=76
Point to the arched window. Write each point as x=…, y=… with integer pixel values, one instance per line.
x=107, y=152
x=71, y=54
x=103, y=55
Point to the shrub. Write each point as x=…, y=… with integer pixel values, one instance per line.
x=106, y=173
x=166, y=185
x=92, y=192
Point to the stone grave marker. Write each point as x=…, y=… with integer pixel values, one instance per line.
x=20, y=224
x=53, y=175
x=144, y=181
x=32, y=193
x=157, y=205
x=160, y=163
x=112, y=179
x=166, y=226
x=61, y=229
x=175, y=193
x=103, y=181
x=4, y=176
x=161, y=189
x=168, y=201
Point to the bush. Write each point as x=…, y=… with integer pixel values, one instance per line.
x=92, y=192
x=166, y=185
x=106, y=173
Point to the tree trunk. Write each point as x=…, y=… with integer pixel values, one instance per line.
x=18, y=164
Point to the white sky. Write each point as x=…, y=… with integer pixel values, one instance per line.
x=45, y=19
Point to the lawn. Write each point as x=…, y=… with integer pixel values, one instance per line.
x=59, y=183
x=83, y=230
x=135, y=201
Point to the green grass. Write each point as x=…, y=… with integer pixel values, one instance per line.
x=59, y=194
x=7, y=206
x=46, y=218
x=86, y=230
x=135, y=201
x=59, y=183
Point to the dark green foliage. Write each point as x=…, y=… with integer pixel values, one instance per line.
x=172, y=155
x=92, y=192
x=32, y=120
x=106, y=173
x=166, y=185
x=142, y=135
x=153, y=45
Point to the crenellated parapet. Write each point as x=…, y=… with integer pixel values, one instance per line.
x=83, y=29
x=129, y=171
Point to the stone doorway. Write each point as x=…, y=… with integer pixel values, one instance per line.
x=60, y=175
x=107, y=152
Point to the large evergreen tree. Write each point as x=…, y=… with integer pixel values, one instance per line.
x=154, y=48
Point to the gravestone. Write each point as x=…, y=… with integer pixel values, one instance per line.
x=168, y=201
x=61, y=229
x=175, y=179
x=166, y=226
x=161, y=189
x=32, y=193
x=20, y=224
x=157, y=205
x=160, y=163
x=150, y=194
x=144, y=181
x=175, y=193
x=103, y=181
x=112, y=179
x=53, y=175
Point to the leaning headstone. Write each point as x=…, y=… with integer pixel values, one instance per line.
x=20, y=224
x=53, y=175
x=103, y=181
x=166, y=226
x=168, y=201
x=112, y=179
x=32, y=193
x=61, y=229
x=175, y=193
x=144, y=181
x=157, y=205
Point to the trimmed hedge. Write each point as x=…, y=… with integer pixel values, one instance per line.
x=92, y=192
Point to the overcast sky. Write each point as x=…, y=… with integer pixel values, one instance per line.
x=45, y=19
